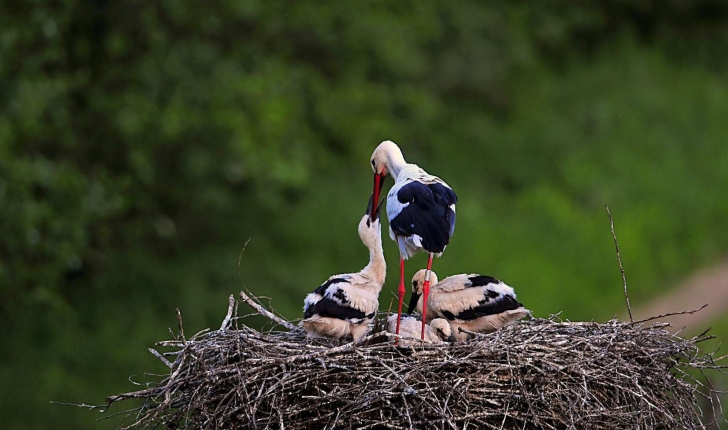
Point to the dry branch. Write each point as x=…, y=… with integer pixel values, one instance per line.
x=671, y=314
x=265, y=312
x=255, y=304
x=229, y=315
x=542, y=373
x=619, y=260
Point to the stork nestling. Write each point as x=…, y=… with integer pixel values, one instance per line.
x=343, y=306
x=438, y=330
x=420, y=208
x=475, y=303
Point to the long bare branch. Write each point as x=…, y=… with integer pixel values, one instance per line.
x=619, y=260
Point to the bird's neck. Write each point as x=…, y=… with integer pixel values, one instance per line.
x=376, y=270
x=395, y=163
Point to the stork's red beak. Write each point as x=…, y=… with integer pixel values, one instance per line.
x=378, y=182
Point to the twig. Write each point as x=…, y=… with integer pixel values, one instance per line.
x=160, y=357
x=103, y=408
x=257, y=306
x=619, y=260
x=265, y=312
x=179, y=325
x=671, y=314
x=231, y=306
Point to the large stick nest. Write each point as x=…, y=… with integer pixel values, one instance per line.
x=542, y=373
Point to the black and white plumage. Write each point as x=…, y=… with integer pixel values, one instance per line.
x=437, y=331
x=420, y=209
x=473, y=302
x=343, y=306
x=420, y=206
x=421, y=212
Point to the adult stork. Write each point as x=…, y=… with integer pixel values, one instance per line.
x=421, y=212
x=437, y=331
x=475, y=303
x=343, y=306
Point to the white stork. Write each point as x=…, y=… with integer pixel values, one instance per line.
x=420, y=208
x=343, y=306
x=438, y=330
x=475, y=303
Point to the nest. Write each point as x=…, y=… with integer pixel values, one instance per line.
x=542, y=373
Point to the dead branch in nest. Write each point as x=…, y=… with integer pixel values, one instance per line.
x=619, y=260
x=229, y=315
x=256, y=305
x=671, y=314
x=265, y=312
x=542, y=373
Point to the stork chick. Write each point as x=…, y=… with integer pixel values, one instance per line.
x=437, y=331
x=475, y=303
x=343, y=306
x=420, y=208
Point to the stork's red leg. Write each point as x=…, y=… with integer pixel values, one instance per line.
x=425, y=294
x=400, y=293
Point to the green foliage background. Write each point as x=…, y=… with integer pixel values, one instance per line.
x=142, y=143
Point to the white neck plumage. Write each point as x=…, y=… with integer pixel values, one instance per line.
x=376, y=270
x=394, y=158
x=395, y=163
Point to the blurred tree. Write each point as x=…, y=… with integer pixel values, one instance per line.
x=141, y=144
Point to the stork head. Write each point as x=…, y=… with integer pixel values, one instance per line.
x=418, y=281
x=386, y=155
x=443, y=329
x=369, y=226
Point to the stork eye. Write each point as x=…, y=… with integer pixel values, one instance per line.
x=373, y=163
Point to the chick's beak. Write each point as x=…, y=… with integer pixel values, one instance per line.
x=413, y=302
x=370, y=208
x=379, y=210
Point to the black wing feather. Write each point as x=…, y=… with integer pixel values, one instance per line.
x=321, y=290
x=428, y=214
x=482, y=280
x=485, y=307
x=331, y=309
x=308, y=310
x=445, y=196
